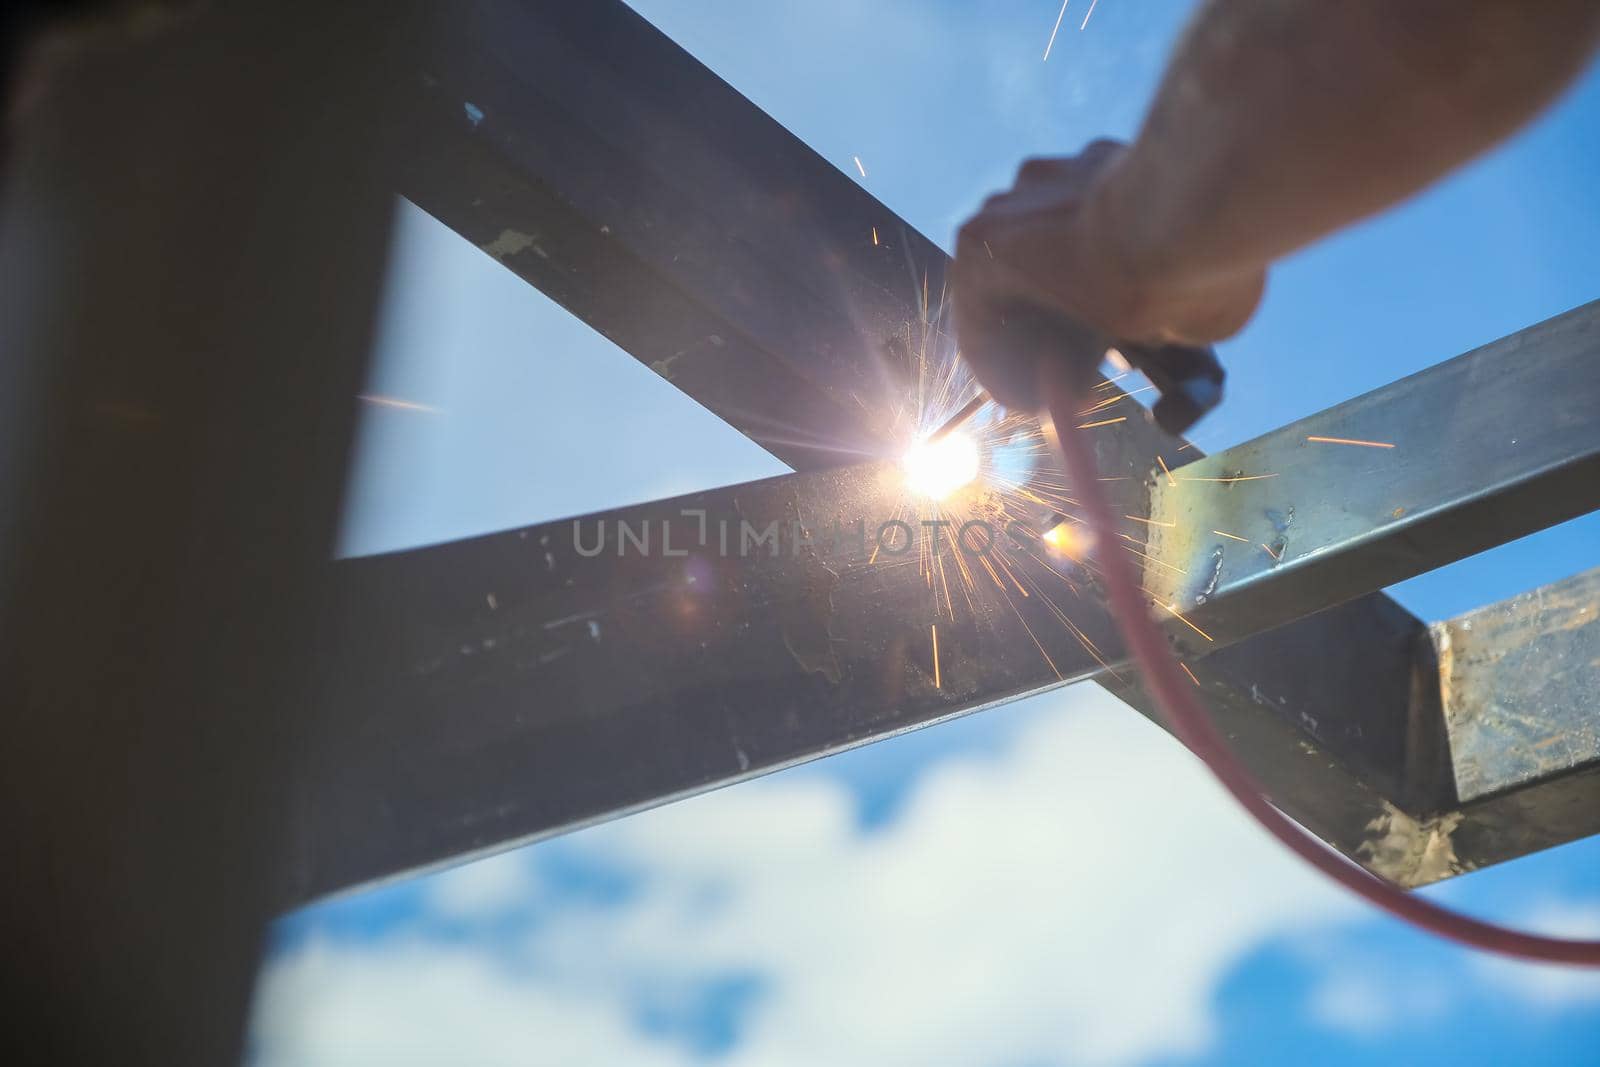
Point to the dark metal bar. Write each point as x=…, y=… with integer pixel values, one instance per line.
x=506, y=688
x=509, y=687
x=1333, y=715
x=603, y=163
x=1517, y=682
x=469, y=185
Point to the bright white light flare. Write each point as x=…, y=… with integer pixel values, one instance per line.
x=938, y=468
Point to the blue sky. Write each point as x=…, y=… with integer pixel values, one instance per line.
x=1050, y=883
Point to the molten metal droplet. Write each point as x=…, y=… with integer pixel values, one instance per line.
x=938, y=468
x=1074, y=542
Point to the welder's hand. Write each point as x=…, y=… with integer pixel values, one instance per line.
x=1051, y=242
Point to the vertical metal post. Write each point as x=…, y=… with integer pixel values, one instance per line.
x=194, y=229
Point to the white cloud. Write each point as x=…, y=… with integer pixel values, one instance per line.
x=1544, y=987
x=424, y=1003
x=1369, y=1004
x=484, y=889
x=1369, y=993
x=1075, y=898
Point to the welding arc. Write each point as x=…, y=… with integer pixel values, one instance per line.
x=969, y=409
x=1190, y=723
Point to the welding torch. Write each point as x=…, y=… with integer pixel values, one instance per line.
x=1188, y=378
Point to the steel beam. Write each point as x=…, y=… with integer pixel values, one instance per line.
x=1494, y=711
x=1517, y=682
x=606, y=165
x=504, y=688
x=1471, y=453
x=600, y=162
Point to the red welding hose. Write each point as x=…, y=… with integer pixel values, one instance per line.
x=1175, y=696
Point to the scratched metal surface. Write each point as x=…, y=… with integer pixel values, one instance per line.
x=1521, y=686
x=1468, y=469
x=508, y=687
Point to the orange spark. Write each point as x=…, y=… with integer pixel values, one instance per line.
x=1187, y=671
x=1351, y=441
x=1067, y=540
x=935, y=628
x=1236, y=537
x=1176, y=614
x=1170, y=479
x=1276, y=556
x=1152, y=522
x=396, y=402
x=1103, y=422
x=874, y=236
x=1108, y=401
